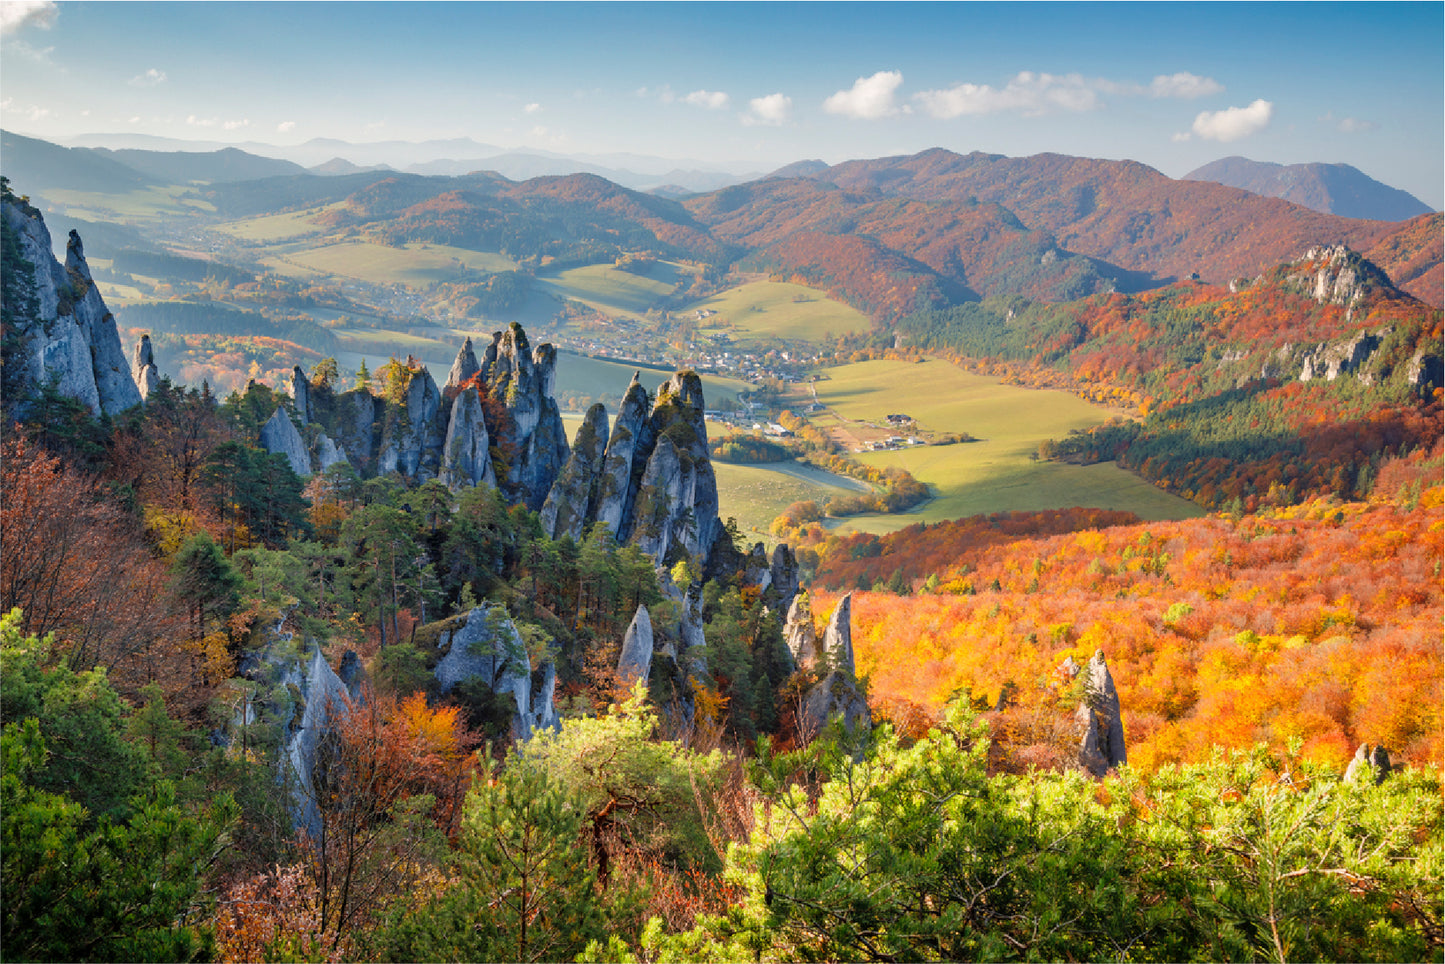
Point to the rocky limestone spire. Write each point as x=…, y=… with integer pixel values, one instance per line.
x=635, y=662
x=279, y=436
x=143, y=368
x=411, y=435
x=799, y=632
x=572, y=504
x=1369, y=763
x=617, y=490
x=466, y=450
x=300, y=394
x=522, y=379
x=838, y=637
x=464, y=367
x=114, y=383
x=1101, y=741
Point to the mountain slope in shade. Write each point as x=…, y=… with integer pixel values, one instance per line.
x=1328, y=188
x=182, y=167
x=35, y=165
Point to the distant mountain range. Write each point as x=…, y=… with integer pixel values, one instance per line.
x=452, y=157
x=1329, y=188
x=889, y=235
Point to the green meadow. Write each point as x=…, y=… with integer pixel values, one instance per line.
x=613, y=291
x=414, y=264
x=765, y=310
x=999, y=472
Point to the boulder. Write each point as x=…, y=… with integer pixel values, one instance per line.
x=279, y=436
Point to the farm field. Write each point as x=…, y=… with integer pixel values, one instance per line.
x=413, y=264
x=143, y=204
x=756, y=494
x=765, y=310
x=996, y=473
x=613, y=291
x=276, y=228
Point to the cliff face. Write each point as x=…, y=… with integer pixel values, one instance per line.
x=57, y=324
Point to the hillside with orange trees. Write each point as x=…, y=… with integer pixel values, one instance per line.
x=1412, y=255
x=1319, y=622
x=1122, y=212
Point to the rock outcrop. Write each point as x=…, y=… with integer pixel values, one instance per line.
x=800, y=634
x=319, y=695
x=300, y=394
x=524, y=379
x=64, y=330
x=838, y=637
x=466, y=449
x=617, y=487
x=575, y=495
x=411, y=433
x=143, y=368
x=635, y=661
x=1370, y=763
x=487, y=646
x=1101, y=727
x=279, y=437
x=465, y=367
x=837, y=695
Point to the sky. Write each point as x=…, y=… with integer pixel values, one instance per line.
x=748, y=87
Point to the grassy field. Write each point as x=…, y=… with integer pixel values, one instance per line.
x=998, y=472
x=142, y=204
x=755, y=494
x=414, y=264
x=764, y=310
x=275, y=228
x=613, y=291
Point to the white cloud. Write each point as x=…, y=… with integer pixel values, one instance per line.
x=1027, y=93
x=711, y=99
x=150, y=78
x=869, y=98
x=1349, y=125
x=285, y=127
x=195, y=121
x=15, y=14
x=774, y=110
x=1184, y=85
x=233, y=125
x=1232, y=123
x=135, y=119
x=532, y=108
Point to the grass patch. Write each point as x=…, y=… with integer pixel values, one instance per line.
x=766, y=310
x=998, y=472
x=612, y=290
x=276, y=228
x=756, y=494
x=142, y=204
x=414, y=264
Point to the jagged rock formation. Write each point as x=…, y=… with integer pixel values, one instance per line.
x=321, y=695
x=279, y=436
x=1369, y=763
x=629, y=433
x=464, y=367
x=488, y=646
x=143, y=368
x=574, y=496
x=783, y=570
x=64, y=330
x=466, y=450
x=524, y=379
x=1101, y=739
x=411, y=436
x=799, y=632
x=635, y=661
x=838, y=637
x=1337, y=276
x=837, y=696
x=1331, y=360
x=300, y=394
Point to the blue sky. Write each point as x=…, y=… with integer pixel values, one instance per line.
x=753, y=86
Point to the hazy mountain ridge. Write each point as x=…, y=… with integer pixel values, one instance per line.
x=1328, y=188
